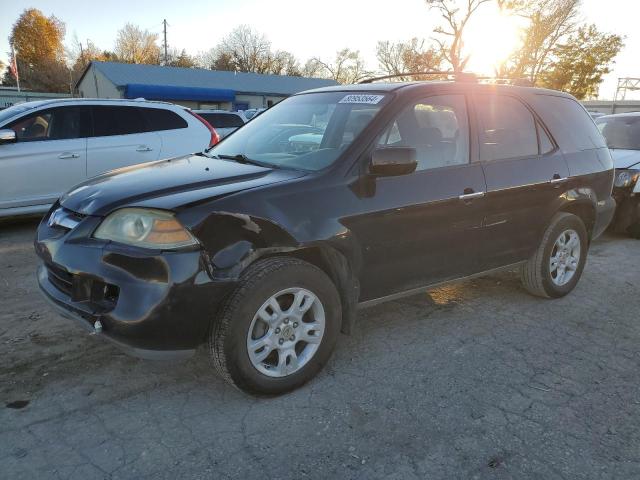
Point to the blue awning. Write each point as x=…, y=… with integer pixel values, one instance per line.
x=167, y=92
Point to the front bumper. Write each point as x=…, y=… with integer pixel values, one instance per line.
x=628, y=211
x=153, y=304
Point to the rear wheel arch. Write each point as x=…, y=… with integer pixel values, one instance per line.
x=584, y=210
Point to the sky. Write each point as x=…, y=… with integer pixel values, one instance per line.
x=317, y=28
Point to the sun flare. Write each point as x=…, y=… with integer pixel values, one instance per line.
x=490, y=39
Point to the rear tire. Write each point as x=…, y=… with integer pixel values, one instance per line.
x=278, y=329
x=556, y=266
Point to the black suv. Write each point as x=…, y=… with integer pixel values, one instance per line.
x=335, y=198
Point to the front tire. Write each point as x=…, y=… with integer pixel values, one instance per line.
x=277, y=330
x=556, y=266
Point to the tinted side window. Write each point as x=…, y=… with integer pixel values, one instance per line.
x=507, y=128
x=60, y=123
x=546, y=145
x=109, y=121
x=569, y=123
x=437, y=127
x=222, y=120
x=161, y=119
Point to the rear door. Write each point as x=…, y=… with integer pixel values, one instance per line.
x=121, y=137
x=48, y=158
x=423, y=227
x=525, y=172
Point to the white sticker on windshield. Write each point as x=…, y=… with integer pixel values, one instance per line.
x=361, y=98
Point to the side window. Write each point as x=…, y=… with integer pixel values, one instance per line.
x=160, y=119
x=108, y=121
x=62, y=123
x=33, y=127
x=507, y=128
x=437, y=127
x=568, y=122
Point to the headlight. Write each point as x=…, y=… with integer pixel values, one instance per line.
x=144, y=228
x=626, y=178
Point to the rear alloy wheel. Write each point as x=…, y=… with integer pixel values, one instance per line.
x=565, y=257
x=278, y=328
x=556, y=266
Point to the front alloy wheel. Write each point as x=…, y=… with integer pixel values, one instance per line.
x=278, y=328
x=286, y=332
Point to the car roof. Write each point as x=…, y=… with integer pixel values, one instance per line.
x=207, y=110
x=62, y=101
x=470, y=85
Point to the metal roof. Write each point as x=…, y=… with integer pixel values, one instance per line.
x=121, y=74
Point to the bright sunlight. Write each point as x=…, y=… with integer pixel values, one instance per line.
x=490, y=39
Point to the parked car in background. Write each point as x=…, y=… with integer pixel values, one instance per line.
x=48, y=146
x=595, y=114
x=351, y=195
x=222, y=121
x=622, y=133
x=252, y=112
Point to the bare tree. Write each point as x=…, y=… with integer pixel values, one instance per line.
x=347, y=67
x=246, y=50
x=134, y=45
x=284, y=63
x=452, y=32
x=411, y=56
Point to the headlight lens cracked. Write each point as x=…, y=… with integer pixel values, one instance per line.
x=143, y=227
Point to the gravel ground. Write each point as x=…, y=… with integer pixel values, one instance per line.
x=473, y=380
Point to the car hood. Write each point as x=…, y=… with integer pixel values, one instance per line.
x=169, y=184
x=625, y=158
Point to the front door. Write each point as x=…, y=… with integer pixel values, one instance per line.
x=48, y=158
x=424, y=227
x=525, y=173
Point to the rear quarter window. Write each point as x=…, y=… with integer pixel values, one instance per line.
x=568, y=122
x=161, y=119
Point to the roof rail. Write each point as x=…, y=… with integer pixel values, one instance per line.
x=456, y=76
x=445, y=73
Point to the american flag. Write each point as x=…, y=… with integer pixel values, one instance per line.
x=13, y=66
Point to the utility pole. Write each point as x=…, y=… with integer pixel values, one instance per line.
x=166, y=56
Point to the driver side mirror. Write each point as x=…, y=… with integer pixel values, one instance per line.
x=392, y=161
x=7, y=136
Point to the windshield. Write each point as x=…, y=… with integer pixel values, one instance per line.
x=621, y=132
x=10, y=112
x=306, y=132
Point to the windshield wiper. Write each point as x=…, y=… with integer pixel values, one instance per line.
x=242, y=158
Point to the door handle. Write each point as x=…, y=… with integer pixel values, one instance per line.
x=465, y=197
x=69, y=155
x=557, y=179
x=144, y=148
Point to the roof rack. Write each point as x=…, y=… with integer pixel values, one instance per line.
x=446, y=73
x=455, y=76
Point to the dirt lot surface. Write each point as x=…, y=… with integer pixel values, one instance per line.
x=473, y=380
